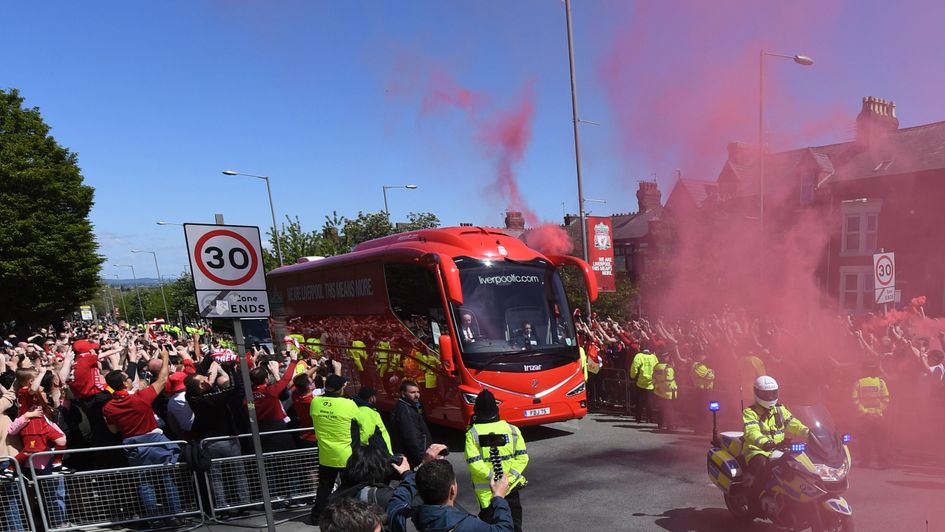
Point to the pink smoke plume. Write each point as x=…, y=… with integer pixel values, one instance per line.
x=548, y=239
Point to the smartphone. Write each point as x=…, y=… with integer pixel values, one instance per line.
x=493, y=440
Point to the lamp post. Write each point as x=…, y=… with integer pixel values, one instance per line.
x=138, y=292
x=386, y=187
x=799, y=59
x=592, y=200
x=167, y=315
x=162, y=222
x=124, y=309
x=272, y=209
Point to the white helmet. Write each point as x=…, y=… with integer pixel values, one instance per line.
x=766, y=391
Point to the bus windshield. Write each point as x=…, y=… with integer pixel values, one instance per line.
x=512, y=308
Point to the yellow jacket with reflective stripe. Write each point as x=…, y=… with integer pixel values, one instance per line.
x=332, y=418
x=664, y=381
x=642, y=370
x=370, y=421
x=358, y=352
x=702, y=376
x=764, y=425
x=513, y=454
x=871, y=396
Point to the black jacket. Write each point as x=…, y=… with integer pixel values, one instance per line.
x=409, y=433
x=219, y=412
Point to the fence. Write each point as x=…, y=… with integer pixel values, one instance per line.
x=233, y=479
x=15, y=512
x=609, y=391
x=106, y=497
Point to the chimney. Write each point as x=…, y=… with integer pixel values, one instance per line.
x=648, y=196
x=741, y=153
x=876, y=118
x=514, y=220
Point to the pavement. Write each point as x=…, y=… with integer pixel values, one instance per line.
x=606, y=472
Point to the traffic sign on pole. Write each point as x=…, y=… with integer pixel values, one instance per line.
x=226, y=263
x=884, y=277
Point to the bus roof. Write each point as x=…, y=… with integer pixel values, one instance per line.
x=475, y=242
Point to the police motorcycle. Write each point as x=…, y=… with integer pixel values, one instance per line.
x=806, y=482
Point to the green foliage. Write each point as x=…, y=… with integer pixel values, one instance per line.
x=617, y=305
x=179, y=294
x=338, y=235
x=49, y=263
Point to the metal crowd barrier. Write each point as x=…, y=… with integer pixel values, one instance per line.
x=233, y=479
x=105, y=497
x=610, y=392
x=15, y=512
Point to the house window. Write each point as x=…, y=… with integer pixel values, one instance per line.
x=856, y=289
x=860, y=226
x=620, y=258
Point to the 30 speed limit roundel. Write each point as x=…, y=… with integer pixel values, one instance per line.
x=885, y=270
x=225, y=257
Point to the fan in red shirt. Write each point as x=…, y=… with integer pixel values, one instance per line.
x=272, y=417
x=131, y=415
x=302, y=403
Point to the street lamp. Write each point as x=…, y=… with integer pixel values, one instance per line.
x=802, y=60
x=162, y=222
x=272, y=209
x=121, y=296
x=167, y=315
x=592, y=200
x=138, y=292
x=385, y=187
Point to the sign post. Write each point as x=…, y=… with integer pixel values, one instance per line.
x=884, y=277
x=229, y=282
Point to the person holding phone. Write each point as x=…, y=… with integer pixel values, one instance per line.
x=495, y=450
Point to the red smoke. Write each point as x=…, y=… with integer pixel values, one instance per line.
x=548, y=239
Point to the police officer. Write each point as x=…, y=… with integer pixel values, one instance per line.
x=871, y=397
x=665, y=389
x=703, y=379
x=642, y=371
x=335, y=419
x=766, y=423
x=513, y=456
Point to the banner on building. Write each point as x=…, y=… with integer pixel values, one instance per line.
x=600, y=251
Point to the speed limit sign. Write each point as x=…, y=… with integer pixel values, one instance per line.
x=227, y=267
x=884, y=277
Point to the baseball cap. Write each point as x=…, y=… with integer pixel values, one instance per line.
x=335, y=382
x=175, y=383
x=83, y=346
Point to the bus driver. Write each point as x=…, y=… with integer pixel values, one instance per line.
x=466, y=329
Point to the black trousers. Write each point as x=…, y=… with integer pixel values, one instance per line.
x=326, y=482
x=667, y=415
x=515, y=504
x=871, y=440
x=644, y=403
x=760, y=472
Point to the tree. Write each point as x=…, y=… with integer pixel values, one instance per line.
x=49, y=263
x=296, y=243
x=616, y=305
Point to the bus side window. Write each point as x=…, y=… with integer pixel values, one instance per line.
x=412, y=292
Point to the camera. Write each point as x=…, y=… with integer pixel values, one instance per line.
x=493, y=442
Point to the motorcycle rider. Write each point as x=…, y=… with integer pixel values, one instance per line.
x=766, y=423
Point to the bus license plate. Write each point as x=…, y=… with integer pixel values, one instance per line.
x=537, y=412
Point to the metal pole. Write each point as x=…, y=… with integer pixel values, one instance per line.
x=251, y=410
x=272, y=210
x=577, y=142
x=138, y=292
x=386, y=210
x=761, y=141
x=124, y=308
x=167, y=315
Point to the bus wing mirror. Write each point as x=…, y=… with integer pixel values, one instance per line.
x=451, y=281
x=590, y=280
x=446, y=353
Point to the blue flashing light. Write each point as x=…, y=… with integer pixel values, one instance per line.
x=847, y=438
x=714, y=406
x=798, y=447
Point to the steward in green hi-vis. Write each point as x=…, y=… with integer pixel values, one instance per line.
x=373, y=431
x=512, y=455
x=335, y=419
x=665, y=387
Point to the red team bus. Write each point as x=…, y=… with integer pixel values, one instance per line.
x=456, y=309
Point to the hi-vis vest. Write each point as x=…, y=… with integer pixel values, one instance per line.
x=314, y=345
x=332, y=418
x=871, y=396
x=382, y=356
x=513, y=455
x=702, y=376
x=358, y=353
x=664, y=381
x=642, y=370
x=763, y=425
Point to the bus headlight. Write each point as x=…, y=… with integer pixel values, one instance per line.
x=577, y=390
x=470, y=398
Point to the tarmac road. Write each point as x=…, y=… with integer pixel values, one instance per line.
x=608, y=473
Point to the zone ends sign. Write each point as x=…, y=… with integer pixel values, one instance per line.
x=227, y=268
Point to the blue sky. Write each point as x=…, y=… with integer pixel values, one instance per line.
x=157, y=98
